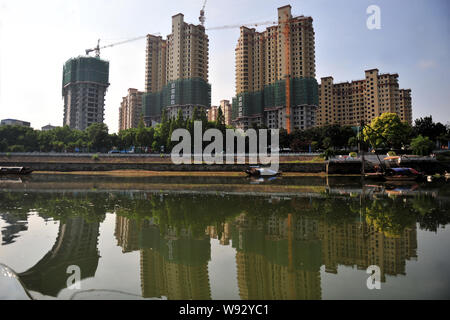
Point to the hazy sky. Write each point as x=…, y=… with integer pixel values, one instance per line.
x=37, y=37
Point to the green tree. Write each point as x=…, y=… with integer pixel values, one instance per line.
x=220, y=120
x=98, y=137
x=422, y=145
x=352, y=142
x=180, y=123
x=387, y=131
x=427, y=128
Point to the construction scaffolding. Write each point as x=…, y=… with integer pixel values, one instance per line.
x=86, y=69
x=195, y=91
x=304, y=91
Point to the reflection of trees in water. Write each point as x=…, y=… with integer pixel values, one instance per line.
x=390, y=216
x=200, y=211
x=170, y=232
x=15, y=223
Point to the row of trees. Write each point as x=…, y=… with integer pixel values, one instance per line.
x=388, y=132
x=385, y=132
x=97, y=139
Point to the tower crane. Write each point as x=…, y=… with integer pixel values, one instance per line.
x=98, y=48
x=202, y=17
x=232, y=26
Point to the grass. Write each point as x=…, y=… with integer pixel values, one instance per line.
x=313, y=160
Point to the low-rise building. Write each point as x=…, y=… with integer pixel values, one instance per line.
x=48, y=127
x=14, y=122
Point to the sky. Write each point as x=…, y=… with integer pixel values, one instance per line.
x=38, y=37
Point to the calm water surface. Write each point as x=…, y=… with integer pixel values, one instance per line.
x=225, y=238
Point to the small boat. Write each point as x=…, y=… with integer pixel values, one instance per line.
x=16, y=170
x=402, y=174
x=396, y=174
x=261, y=172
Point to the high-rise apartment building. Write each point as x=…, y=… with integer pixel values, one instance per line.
x=226, y=107
x=349, y=103
x=85, y=81
x=405, y=113
x=176, y=74
x=264, y=61
x=212, y=113
x=130, y=110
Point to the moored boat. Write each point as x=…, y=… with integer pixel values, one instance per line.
x=396, y=174
x=261, y=172
x=16, y=170
x=402, y=174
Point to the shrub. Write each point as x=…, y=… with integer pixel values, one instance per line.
x=391, y=153
x=353, y=154
x=17, y=148
x=95, y=157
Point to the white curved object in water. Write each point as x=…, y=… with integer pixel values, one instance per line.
x=11, y=287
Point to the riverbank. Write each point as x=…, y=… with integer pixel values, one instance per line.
x=155, y=164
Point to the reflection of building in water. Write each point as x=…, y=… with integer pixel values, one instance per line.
x=127, y=233
x=360, y=244
x=279, y=259
x=76, y=245
x=15, y=223
x=224, y=234
x=174, y=265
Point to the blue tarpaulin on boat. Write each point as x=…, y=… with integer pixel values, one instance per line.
x=401, y=169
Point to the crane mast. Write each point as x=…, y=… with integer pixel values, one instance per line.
x=202, y=17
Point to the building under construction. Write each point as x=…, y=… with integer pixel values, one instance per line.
x=176, y=74
x=267, y=62
x=85, y=81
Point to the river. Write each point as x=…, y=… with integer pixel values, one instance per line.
x=202, y=238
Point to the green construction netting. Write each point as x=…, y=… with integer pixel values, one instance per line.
x=304, y=91
x=307, y=254
x=86, y=69
x=194, y=91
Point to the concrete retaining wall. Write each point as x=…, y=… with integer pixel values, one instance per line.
x=331, y=167
x=68, y=167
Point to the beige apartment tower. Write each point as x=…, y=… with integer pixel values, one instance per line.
x=263, y=62
x=225, y=105
x=176, y=75
x=130, y=111
x=405, y=113
x=212, y=113
x=350, y=103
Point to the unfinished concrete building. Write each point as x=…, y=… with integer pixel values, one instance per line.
x=264, y=61
x=177, y=72
x=85, y=82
